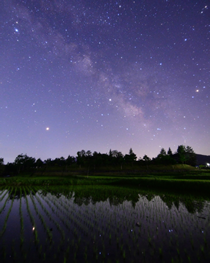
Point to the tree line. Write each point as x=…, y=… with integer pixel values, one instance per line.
x=86, y=159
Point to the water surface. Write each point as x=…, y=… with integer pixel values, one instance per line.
x=101, y=224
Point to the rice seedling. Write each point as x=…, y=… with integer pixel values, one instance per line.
x=202, y=248
x=4, y=252
x=105, y=223
x=21, y=220
x=73, y=218
x=5, y=202
x=7, y=216
x=59, y=215
x=4, y=194
x=85, y=254
x=49, y=215
x=123, y=254
x=41, y=218
x=31, y=218
x=160, y=252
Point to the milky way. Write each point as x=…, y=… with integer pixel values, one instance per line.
x=100, y=75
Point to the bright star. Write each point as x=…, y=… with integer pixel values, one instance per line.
x=47, y=129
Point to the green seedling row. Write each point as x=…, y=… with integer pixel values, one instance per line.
x=87, y=228
x=31, y=218
x=7, y=216
x=49, y=234
x=49, y=215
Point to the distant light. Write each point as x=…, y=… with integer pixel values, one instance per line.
x=197, y=90
x=47, y=129
x=33, y=228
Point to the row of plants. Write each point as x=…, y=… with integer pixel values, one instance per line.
x=193, y=183
x=101, y=231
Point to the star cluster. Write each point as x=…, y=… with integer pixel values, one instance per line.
x=100, y=75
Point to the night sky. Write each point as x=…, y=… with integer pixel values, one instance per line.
x=101, y=75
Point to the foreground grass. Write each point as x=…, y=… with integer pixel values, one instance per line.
x=184, y=181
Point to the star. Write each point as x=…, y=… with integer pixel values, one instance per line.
x=73, y=63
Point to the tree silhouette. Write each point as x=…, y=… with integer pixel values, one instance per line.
x=190, y=156
x=1, y=161
x=146, y=158
x=24, y=162
x=2, y=167
x=131, y=157
x=163, y=152
x=164, y=158
x=169, y=152
x=39, y=163
x=81, y=158
x=70, y=160
x=181, y=153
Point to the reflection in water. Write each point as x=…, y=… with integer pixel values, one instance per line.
x=101, y=224
x=117, y=195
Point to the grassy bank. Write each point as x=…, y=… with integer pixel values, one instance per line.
x=184, y=181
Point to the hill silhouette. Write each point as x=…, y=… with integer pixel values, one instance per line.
x=202, y=159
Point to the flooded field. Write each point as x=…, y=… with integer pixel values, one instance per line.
x=101, y=224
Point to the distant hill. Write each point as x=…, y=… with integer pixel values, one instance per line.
x=202, y=159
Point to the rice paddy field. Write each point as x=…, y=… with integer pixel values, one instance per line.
x=101, y=224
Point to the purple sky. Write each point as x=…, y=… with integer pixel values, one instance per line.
x=103, y=75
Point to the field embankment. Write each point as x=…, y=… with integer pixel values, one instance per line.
x=177, y=180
